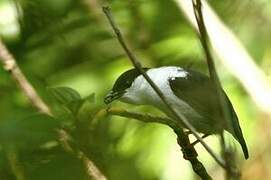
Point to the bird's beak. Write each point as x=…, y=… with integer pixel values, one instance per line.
x=111, y=96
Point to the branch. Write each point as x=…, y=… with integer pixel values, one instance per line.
x=232, y=54
x=197, y=7
x=180, y=117
x=147, y=118
x=91, y=169
x=11, y=66
x=189, y=153
x=210, y=62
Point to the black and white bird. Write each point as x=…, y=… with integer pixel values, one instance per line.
x=190, y=92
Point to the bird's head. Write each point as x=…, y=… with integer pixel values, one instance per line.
x=122, y=85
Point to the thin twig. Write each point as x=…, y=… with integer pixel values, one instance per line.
x=197, y=141
x=232, y=54
x=10, y=65
x=135, y=115
x=179, y=116
x=197, y=6
x=189, y=152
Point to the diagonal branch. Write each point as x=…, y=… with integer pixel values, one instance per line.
x=10, y=65
x=139, y=116
x=189, y=153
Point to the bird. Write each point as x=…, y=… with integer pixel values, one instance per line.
x=190, y=92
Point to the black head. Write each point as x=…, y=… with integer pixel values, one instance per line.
x=124, y=81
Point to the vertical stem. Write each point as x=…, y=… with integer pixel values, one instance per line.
x=214, y=77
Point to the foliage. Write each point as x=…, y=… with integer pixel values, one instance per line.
x=68, y=52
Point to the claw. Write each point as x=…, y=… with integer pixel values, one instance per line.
x=197, y=141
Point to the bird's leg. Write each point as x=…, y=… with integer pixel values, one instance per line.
x=188, y=132
x=197, y=141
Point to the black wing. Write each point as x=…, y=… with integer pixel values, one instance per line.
x=197, y=90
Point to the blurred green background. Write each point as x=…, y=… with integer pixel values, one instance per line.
x=69, y=43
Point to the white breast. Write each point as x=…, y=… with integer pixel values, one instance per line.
x=141, y=92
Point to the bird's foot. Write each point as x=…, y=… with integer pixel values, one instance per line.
x=197, y=141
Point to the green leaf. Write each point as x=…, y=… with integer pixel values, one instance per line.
x=64, y=95
x=67, y=97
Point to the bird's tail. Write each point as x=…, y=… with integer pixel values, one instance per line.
x=234, y=127
x=239, y=137
x=237, y=132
